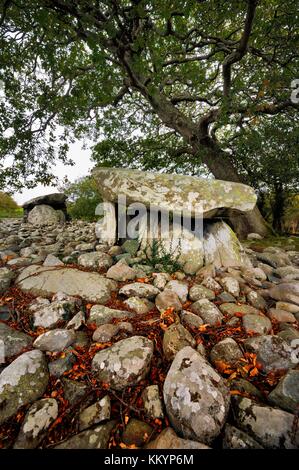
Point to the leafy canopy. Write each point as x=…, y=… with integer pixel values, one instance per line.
x=167, y=83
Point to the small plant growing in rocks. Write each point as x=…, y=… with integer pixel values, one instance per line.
x=165, y=261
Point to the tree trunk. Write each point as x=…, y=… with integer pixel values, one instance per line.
x=222, y=168
x=278, y=208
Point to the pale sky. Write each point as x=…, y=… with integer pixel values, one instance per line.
x=82, y=167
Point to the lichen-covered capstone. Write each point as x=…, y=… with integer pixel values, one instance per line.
x=174, y=192
x=22, y=382
x=125, y=363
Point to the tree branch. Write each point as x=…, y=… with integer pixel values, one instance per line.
x=239, y=53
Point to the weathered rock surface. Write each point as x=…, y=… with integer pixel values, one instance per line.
x=195, y=396
x=36, y=423
x=6, y=276
x=236, y=439
x=121, y=272
x=45, y=281
x=95, y=414
x=277, y=434
x=273, y=353
x=22, y=382
x=136, y=433
x=13, y=342
x=228, y=351
x=170, y=191
x=168, y=439
x=45, y=215
x=55, y=340
x=125, y=363
x=152, y=402
x=286, y=394
x=100, y=315
x=198, y=292
x=168, y=299
x=207, y=311
x=257, y=324
x=175, y=338
x=139, y=305
x=95, y=260
x=139, y=289
x=96, y=438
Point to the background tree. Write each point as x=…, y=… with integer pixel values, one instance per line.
x=83, y=198
x=184, y=70
x=8, y=207
x=268, y=157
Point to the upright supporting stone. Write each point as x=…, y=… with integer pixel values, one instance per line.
x=106, y=225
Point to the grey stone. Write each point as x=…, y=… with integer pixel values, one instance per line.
x=211, y=284
x=228, y=351
x=173, y=192
x=257, y=324
x=273, y=353
x=281, y=315
x=55, y=340
x=190, y=319
x=289, y=335
x=96, y=438
x=22, y=382
x=231, y=285
x=292, y=308
x=12, y=342
x=121, y=272
x=161, y=279
x=168, y=299
x=207, y=311
x=244, y=386
x=131, y=246
x=139, y=305
x=100, y=315
x=175, y=338
x=125, y=363
x=136, y=433
x=286, y=394
x=105, y=333
x=139, y=289
x=42, y=280
x=256, y=300
x=77, y=321
x=95, y=414
x=74, y=391
x=234, y=438
x=44, y=215
x=287, y=292
x=198, y=292
x=95, y=260
x=6, y=276
x=196, y=397
x=50, y=315
x=168, y=439
x=225, y=297
x=271, y=427
x=59, y=366
x=152, y=402
x=52, y=260
x=178, y=287
x=36, y=423
x=231, y=309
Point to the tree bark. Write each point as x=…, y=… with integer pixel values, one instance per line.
x=222, y=168
x=278, y=208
